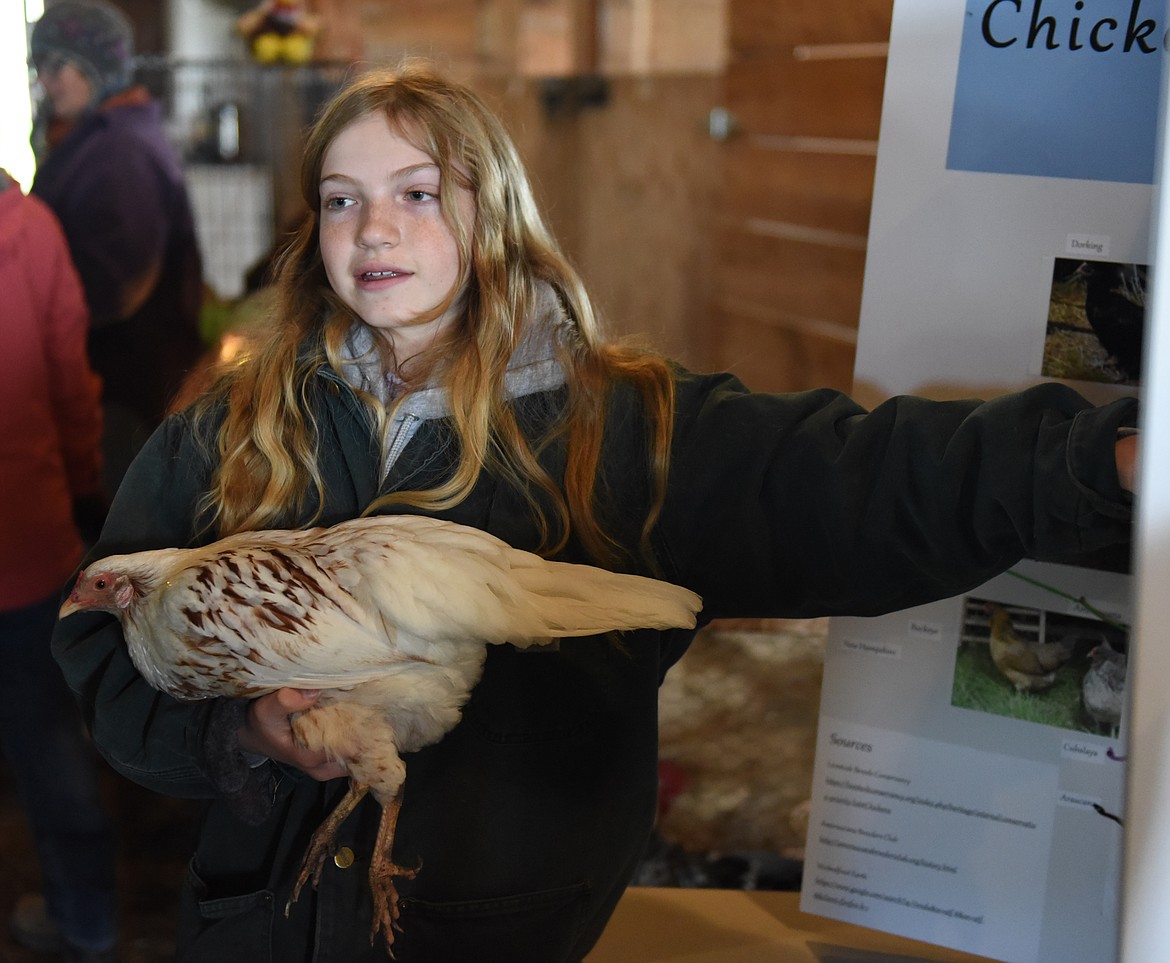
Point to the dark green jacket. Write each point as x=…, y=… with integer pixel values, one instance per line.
x=530, y=816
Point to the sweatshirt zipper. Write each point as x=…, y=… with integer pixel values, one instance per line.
x=402, y=435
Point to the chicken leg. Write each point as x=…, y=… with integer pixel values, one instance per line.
x=321, y=845
x=383, y=870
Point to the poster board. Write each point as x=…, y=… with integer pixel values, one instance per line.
x=950, y=807
x=960, y=261
x=1145, y=929
x=1012, y=201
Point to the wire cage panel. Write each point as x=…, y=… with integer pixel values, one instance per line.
x=233, y=219
x=240, y=127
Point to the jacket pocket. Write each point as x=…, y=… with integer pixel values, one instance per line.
x=540, y=927
x=217, y=928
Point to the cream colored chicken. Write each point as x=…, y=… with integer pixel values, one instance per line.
x=389, y=615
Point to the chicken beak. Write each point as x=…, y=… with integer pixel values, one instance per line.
x=73, y=602
x=69, y=606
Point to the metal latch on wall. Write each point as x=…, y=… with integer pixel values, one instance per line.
x=722, y=124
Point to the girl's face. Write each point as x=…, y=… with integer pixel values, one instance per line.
x=388, y=252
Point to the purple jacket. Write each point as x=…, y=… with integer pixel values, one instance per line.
x=116, y=185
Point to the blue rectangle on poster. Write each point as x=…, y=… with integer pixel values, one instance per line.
x=1059, y=88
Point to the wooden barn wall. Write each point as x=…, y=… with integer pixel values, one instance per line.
x=803, y=84
x=629, y=189
x=746, y=254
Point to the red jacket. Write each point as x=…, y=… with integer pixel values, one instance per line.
x=50, y=419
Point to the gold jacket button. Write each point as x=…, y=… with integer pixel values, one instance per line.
x=343, y=858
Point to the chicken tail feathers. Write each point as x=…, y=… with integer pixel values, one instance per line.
x=573, y=600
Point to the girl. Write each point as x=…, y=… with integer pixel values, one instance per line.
x=433, y=352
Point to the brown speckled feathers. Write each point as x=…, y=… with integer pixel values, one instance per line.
x=335, y=607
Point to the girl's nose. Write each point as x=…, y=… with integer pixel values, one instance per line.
x=380, y=225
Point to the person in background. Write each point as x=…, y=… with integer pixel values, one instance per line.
x=107, y=170
x=432, y=351
x=50, y=487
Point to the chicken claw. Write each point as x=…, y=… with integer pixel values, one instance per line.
x=321, y=845
x=383, y=871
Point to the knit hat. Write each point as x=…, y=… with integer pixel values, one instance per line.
x=94, y=36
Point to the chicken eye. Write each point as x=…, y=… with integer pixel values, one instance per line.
x=100, y=583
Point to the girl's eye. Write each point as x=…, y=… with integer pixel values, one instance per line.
x=419, y=195
x=337, y=203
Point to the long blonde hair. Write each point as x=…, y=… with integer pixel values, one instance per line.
x=267, y=441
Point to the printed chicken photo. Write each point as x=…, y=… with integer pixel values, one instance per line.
x=1096, y=323
x=1041, y=665
x=1028, y=664
x=1103, y=688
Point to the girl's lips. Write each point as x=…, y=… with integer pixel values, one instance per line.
x=379, y=274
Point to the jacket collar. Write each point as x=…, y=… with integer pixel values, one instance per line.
x=534, y=367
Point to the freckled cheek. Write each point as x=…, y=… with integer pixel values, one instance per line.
x=334, y=254
x=445, y=254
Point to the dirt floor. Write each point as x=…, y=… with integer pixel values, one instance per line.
x=154, y=843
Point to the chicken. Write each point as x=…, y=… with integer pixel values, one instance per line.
x=390, y=616
x=1103, y=688
x=1115, y=299
x=1029, y=666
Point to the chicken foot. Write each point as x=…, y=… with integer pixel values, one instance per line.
x=321, y=845
x=383, y=870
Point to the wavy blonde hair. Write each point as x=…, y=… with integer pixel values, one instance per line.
x=267, y=441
